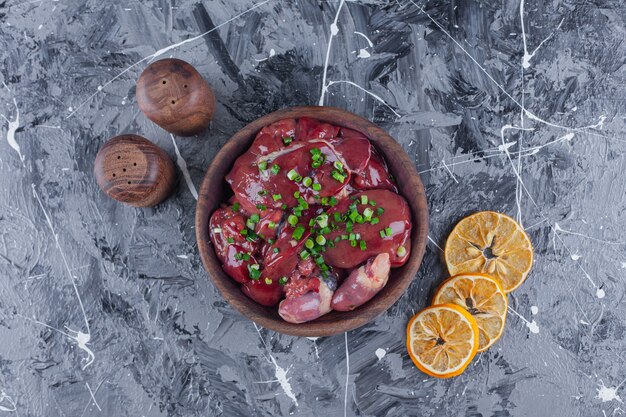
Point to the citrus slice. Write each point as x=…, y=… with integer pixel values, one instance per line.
x=442, y=340
x=482, y=297
x=491, y=243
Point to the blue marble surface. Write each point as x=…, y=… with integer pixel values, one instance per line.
x=517, y=106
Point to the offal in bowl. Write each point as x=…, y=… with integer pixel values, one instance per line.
x=315, y=222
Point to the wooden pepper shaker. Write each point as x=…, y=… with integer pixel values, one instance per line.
x=172, y=94
x=135, y=171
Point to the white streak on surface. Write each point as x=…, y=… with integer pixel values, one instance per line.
x=345, y=397
x=363, y=53
x=606, y=394
x=11, y=404
x=532, y=325
x=366, y=38
x=334, y=30
x=527, y=57
x=434, y=243
x=80, y=338
x=281, y=373
x=159, y=53
x=607, y=242
x=380, y=353
x=534, y=310
x=93, y=397
x=13, y=125
x=364, y=90
x=183, y=167
x=314, y=340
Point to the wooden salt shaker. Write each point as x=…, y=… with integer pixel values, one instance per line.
x=135, y=171
x=172, y=94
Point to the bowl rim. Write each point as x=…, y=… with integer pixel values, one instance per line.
x=326, y=325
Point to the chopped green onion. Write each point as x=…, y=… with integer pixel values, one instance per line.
x=317, y=186
x=282, y=280
x=316, y=164
x=353, y=215
x=315, y=151
x=362, y=245
x=324, y=200
x=239, y=256
x=338, y=165
x=230, y=240
x=353, y=243
x=322, y=220
x=321, y=240
x=333, y=201
x=296, y=194
x=284, y=207
x=271, y=241
x=275, y=250
x=217, y=230
x=263, y=192
x=268, y=281
x=307, y=181
x=349, y=226
x=298, y=178
x=382, y=234
x=292, y=174
x=304, y=254
x=277, y=197
x=302, y=203
x=316, y=157
x=254, y=272
x=309, y=244
x=363, y=199
x=262, y=165
x=388, y=231
x=246, y=256
x=344, y=237
x=261, y=207
x=250, y=224
x=287, y=140
x=319, y=260
x=255, y=218
x=380, y=210
x=235, y=206
x=338, y=177
x=372, y=203
x=375, y=220
x=337, y=216
x=367, y=214
x=275, y=169
x=401, y=251
x=271, y=225
x=297, y=234
x=359, y=219
x=244, y=232
x=292, y=220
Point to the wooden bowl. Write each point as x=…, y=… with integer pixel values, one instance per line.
x=215, y=190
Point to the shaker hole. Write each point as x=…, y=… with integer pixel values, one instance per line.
x=134, y=163
x=173, y=102
x=129, y=182
x=119, y=157
x=185, y=86
x=124, y=169
x=164, y=82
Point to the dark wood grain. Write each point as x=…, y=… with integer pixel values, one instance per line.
x=133, y=170
x=214, y=191
x=172, y=94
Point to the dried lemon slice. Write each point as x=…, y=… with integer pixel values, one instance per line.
x=442, y=340
x=491, y=243
x=482, y=297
